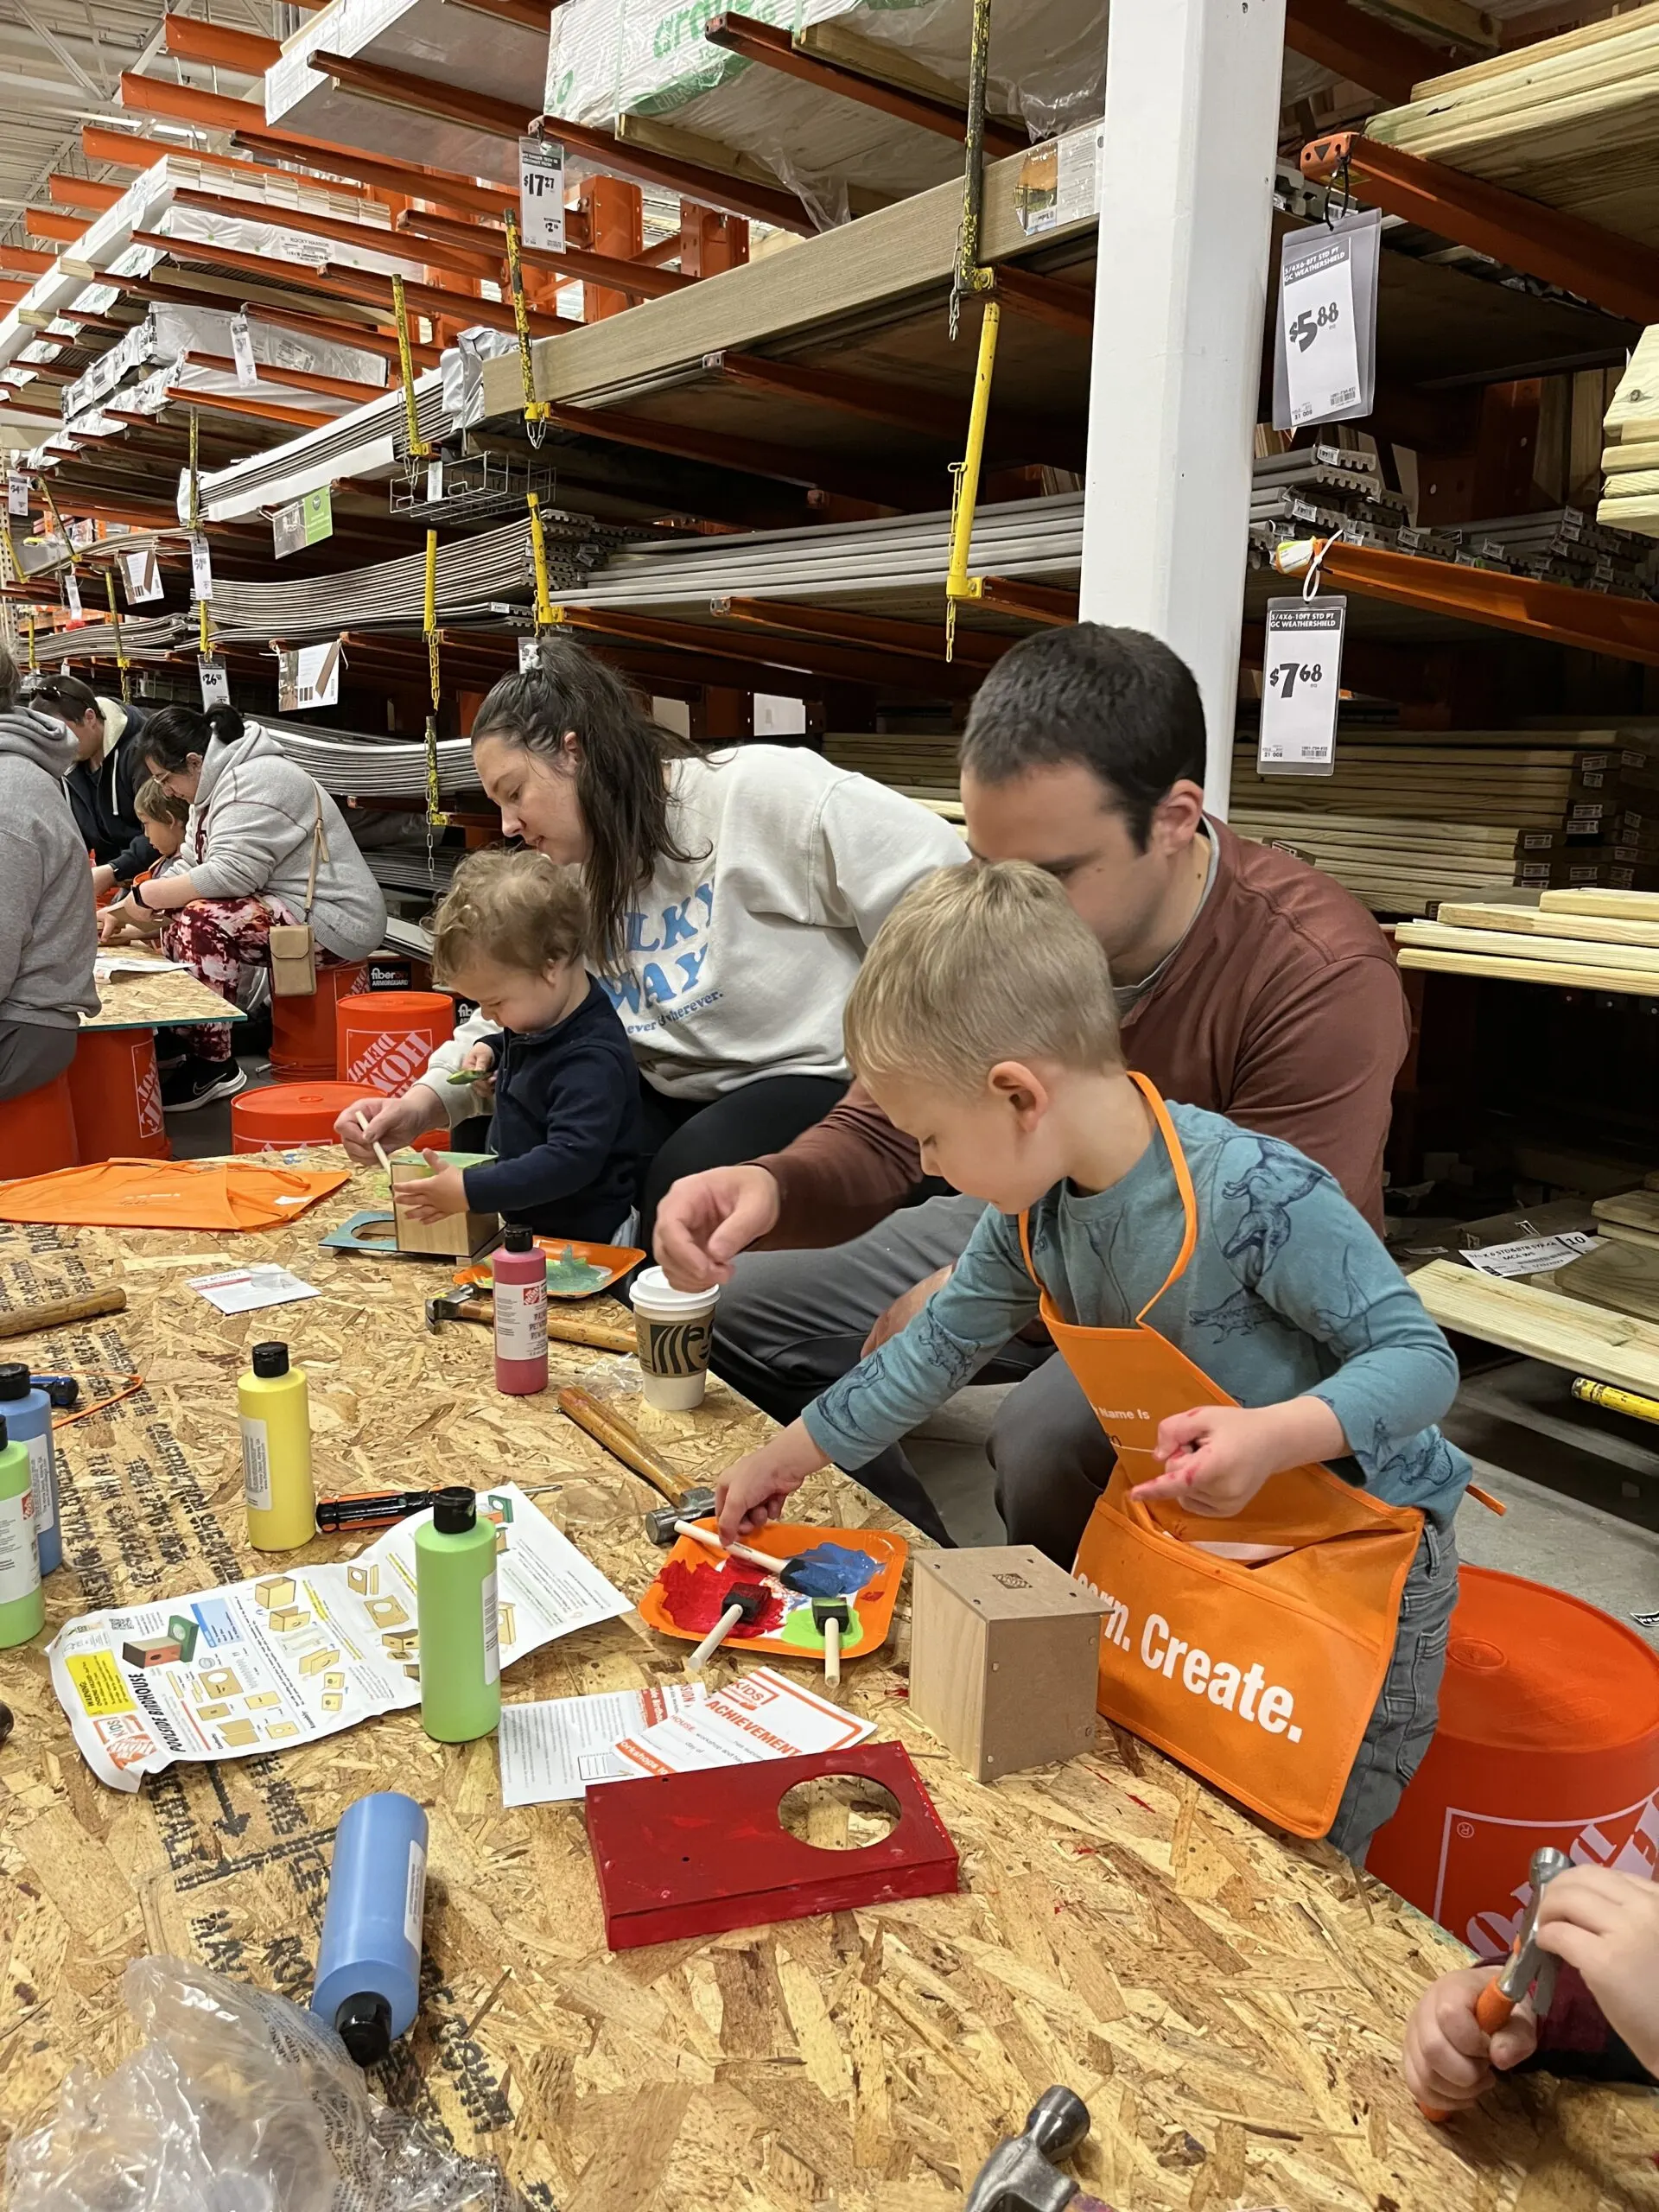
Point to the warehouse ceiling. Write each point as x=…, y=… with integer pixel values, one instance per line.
x=61, y=65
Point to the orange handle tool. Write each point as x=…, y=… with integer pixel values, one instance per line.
x=1492, y=2010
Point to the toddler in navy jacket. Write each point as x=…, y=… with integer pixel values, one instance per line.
x=511, y=932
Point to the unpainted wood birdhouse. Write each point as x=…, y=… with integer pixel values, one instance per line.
x=1004, y=1657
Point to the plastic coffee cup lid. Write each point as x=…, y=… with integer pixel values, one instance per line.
x=652, y=1290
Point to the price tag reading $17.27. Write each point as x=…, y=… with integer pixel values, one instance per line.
x=1316, y=306
x=1301, y=672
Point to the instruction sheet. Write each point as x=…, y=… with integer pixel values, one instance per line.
x=552, y=1748
x=763, y=1715
x=300, y=1652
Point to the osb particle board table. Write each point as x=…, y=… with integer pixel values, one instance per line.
x=1230, y=2008
x=168, y=998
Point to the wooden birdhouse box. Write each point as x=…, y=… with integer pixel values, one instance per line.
x=1004, y=1657
x=458, y=1236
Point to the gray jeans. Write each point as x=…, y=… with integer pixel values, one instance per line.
x=1404, y=1716
x=31, y=1054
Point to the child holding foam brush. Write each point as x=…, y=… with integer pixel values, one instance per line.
x=511, y=933
x=983, y=1023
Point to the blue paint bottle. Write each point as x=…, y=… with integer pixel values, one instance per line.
x=369, y=1966
x=27, y=1413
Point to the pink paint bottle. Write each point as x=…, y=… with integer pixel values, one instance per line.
x=519, y=1268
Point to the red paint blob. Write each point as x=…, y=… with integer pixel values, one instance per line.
x=695, y=1597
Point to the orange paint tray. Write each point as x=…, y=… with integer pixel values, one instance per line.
x=872, y=1604
x=616, y=1260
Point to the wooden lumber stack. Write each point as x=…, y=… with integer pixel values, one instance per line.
x=1572, y=121
x=1631, y=460
x=1588, y=940
x=1541, y=1323
x=1410, y=818
x=923, y=766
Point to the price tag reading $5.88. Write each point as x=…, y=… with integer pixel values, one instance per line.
x=1316, y=306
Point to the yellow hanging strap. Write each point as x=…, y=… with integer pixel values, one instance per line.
x=435, y=817
x=548, y=617
x=195, y=449
x=537, y=411
x=417, y=450
x=964, y=482
x=69, y=542
x=121, y=660
x=969, y=278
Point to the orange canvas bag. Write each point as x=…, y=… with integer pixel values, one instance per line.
x=225, y=1194
x=1261, y=1677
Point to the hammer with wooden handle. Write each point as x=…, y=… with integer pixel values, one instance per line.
x=59, y=1312
x=621, y=1439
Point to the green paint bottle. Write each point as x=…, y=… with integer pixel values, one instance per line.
x=454, y=1598
x=22, y=1602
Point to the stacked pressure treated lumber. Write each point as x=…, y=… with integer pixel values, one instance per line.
x=923, y=766
x=1590, y=940
x=1572, y=121
x=1631, y=460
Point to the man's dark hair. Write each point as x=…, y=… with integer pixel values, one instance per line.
x=1119, y=701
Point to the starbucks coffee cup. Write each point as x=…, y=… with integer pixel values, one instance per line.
x=674, y=1329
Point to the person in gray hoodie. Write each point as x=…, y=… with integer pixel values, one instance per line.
x=245, y=865
x=49, y=929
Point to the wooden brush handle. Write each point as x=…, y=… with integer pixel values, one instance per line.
x=599, y=1336
x=621, y=1439
x=58, y=1312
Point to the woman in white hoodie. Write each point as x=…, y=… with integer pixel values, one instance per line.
x=245, y=865
x=732, y=893
x=48, y=937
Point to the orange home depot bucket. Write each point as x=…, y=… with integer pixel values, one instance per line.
x=291, y=1113
x=303, y=1030
x=385, y=1039
x=117, y=1094
x=1548, y=1734
x=37, y=1131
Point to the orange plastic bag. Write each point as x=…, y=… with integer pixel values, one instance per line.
x=223, y=1194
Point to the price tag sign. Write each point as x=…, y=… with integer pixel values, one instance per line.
x=71, y=597
x=16, y=492
x=247, y=369
x=1302, y=673
x=541, y=194
x=215, y=680
x=201, y=568
x=308, y=676
x=529, y=653
x=304, y=522
x=1325, y=352
x=141, y=575
x=435, y=480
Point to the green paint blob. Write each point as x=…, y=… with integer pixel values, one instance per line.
x=799, y=1629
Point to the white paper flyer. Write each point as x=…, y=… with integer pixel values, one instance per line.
x=552, y=1748
x=763, y=1715
x=299, y=1652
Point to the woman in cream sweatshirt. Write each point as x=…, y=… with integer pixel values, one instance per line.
x=732, y=895
x=245, y=865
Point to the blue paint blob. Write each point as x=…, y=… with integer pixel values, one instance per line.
x=828, y=1571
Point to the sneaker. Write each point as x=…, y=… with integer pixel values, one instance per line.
x=199, y=1082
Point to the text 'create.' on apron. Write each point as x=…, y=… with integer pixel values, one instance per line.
x=1260, y=1678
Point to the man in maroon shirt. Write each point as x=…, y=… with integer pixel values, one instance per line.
x=1246, y=982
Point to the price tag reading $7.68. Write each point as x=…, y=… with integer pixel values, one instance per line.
x=1301, y=675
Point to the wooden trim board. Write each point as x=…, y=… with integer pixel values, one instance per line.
x=1542, y=1325
x=1615, y=906
x=1561, y=975
x=880, y=257
x=1536, y=921
x=1517, y=945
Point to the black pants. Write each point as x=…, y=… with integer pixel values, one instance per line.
x=682, y=1136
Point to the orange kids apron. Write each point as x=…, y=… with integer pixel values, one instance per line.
x=1261, y=1677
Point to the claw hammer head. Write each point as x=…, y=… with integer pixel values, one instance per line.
x=696, y=1505
x=455, y=1305
x=1020, y=2174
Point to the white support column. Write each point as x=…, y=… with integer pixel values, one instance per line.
x=1186, y=201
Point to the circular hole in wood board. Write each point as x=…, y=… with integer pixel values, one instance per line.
x=839, y=1812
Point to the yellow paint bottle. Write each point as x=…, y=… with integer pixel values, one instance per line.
x=276, y=1409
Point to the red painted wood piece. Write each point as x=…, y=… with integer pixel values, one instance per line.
x=697, y=1854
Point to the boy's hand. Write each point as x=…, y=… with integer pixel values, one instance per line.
x=1215, y=1458
x=1449, y=2056
x=752, y=1492
x=429, y=1198
x=478, y=1061
x=388, y=1122
x=1607, y=1926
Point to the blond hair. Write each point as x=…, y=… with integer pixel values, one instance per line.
x=978, y=965
x=151, y=803
x=519, y=909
